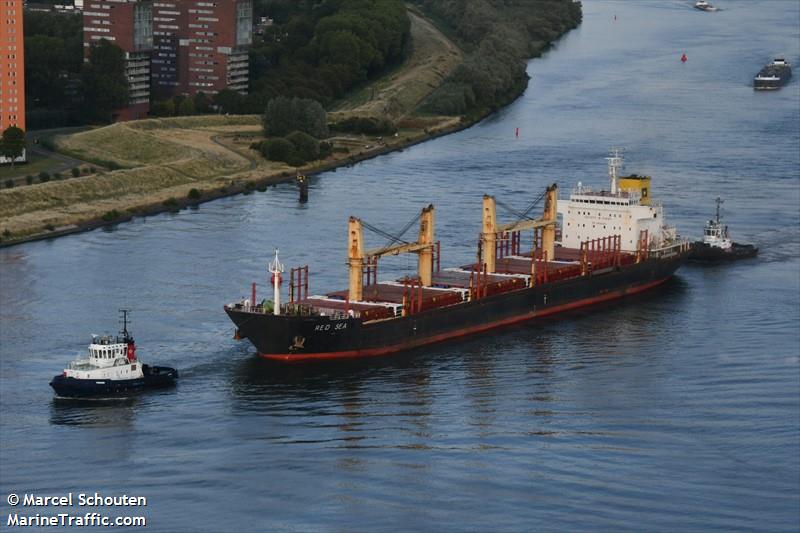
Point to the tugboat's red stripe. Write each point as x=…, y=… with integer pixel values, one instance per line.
x=383, y=350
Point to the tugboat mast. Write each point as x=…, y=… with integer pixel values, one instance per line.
x=125, y=334
x=719, y=203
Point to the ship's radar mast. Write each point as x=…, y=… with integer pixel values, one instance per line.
x=614, y=166
x=719, y=203
x=276, y=268
x=124, y=319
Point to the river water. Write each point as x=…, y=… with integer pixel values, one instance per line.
x=677, y=409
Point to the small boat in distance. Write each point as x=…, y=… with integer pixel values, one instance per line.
x=717, y=244
x=773, y=76
x=111, y=370
x=702, y=5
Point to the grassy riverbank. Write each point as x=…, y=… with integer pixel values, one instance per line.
x=170, y=163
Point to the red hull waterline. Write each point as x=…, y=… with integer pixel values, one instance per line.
x=384, y=350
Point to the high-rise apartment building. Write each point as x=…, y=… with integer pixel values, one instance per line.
x=201, y=45
x=175, y=47
x=129, y=25
x=214, y=45
x=12, y=65
x=168, y=20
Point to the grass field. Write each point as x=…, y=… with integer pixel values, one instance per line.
x=35, y=164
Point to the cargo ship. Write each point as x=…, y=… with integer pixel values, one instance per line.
x=773, y=76
x=594, y=247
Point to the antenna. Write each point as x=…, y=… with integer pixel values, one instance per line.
x=124, y=318
x=719, y=201
x=614, y=166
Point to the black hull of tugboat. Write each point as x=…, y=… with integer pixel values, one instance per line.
x=309, y=338
x=703, y=253
x=156, y=377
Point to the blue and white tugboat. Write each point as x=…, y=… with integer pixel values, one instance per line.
x=112, y=369
x=717, y=244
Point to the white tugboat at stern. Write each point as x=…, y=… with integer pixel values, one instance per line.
x=111, y=369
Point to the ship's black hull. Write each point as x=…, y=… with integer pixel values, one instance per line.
x=781, y=77
x=301, y=338
x=155, y=377
x=703, y=253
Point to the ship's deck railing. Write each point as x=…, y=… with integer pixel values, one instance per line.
x=297, y=309
x=671, y=249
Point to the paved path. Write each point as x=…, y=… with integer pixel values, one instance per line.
x=60, y=162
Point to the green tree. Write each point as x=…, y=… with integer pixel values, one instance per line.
x=284, y=115
x=202, y=103
x=186, y=107
x=105, y=86
x=277, y=149
x=12, y=143
x=228, y=101
x=163, y=108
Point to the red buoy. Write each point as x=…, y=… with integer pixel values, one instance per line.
x=684, y=58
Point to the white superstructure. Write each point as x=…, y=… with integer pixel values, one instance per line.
x=626, y=210
x=108, y=359
x=716, y=233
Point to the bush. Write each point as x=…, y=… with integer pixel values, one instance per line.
x=295, y=160
x=6, y=233
x=194, y=194
x=450, y=99
x=108, y=216
x=75, y=172
x=58, y=176
x=325, y=149
x=85, y=170
x=186, y=107
x=9, y=183
x=49, y=227
x=163, y=108
x=28, y=179
x=44, y=177
x=170, y=202
x=306, y=146
x=366, y=125
x=277, y=149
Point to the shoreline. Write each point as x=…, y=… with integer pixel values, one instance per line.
x=244, y=186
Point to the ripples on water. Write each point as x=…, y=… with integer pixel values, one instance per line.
x=677, y=409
